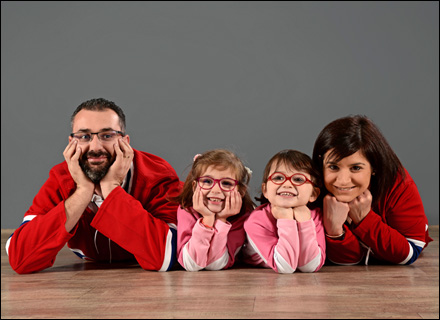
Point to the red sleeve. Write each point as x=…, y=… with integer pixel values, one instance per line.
x=346, y=251
x=123, y=219
x=397, y=234
x=35, y=244
x=401, y=235
x=144, y=221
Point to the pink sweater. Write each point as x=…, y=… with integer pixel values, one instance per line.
x=199, y=247
x=284, y=245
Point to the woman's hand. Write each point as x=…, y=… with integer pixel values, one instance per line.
x=335, y=215
x=360, y=206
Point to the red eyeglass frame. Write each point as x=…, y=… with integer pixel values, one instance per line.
x=290, y=179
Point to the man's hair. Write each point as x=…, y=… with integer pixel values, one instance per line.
x=100, y=104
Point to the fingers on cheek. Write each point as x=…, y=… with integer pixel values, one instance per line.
x=76, y=152
x=118, y=148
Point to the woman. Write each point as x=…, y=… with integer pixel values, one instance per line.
x=371, y=205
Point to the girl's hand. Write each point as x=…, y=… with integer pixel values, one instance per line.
x=335, y=215
x=302, y=213
x=199, y=206
x=360, y=206
x=282, y=212
x=232, y=207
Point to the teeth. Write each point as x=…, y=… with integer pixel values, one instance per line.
x=215, y=200
x=286, y=194
x=345, y=189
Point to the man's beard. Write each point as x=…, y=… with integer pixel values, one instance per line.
x=97, y=172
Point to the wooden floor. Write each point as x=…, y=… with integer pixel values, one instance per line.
x=74, y=289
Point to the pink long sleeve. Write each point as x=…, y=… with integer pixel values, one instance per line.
x=285, y=245
x=199, y=247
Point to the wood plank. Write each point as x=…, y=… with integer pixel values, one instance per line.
x=76, y=289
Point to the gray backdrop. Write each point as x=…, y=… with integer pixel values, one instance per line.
x=254, y=77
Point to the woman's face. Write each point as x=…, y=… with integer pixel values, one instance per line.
x=348, y=178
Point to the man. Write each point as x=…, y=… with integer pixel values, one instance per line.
x=107, y=200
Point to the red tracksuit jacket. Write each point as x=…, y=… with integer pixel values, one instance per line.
x=138, y=226
x=397, y=233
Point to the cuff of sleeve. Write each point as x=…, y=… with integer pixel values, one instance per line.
x=221, y=226
x=204, y=228
x=63, y=218
x=286, y=223
x=287, y=228
x=366, y=224
x=107, y=202
x=306, y=225
x=345, y=235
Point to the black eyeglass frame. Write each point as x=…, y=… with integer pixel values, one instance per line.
x=96, y=133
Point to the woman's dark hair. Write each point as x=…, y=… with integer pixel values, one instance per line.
x=100, y=104
x=292, y=159
x=345, y=136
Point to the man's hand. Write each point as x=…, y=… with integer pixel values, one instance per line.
x=76, y=204
x=119, y=169
x=72, y=154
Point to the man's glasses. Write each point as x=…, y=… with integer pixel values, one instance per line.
x=103, y=136
x=226, y=184
x=298, y=179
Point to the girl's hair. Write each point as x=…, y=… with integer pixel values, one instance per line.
x=292, y=159
x=345, y=136
x=222, y=159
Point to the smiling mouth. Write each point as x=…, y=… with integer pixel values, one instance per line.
x=287, y=194
x=96, y=161
x=344, y=189
x=217, y=200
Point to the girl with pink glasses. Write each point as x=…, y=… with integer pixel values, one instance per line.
x=214, y=204
x=285, y=232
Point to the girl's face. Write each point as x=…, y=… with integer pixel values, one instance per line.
x=348, y=178
x=288, y=195
x=214, y=199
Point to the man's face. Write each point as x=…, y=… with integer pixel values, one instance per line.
x=96, y=156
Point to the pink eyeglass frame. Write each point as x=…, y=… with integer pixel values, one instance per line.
x=218, y=182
